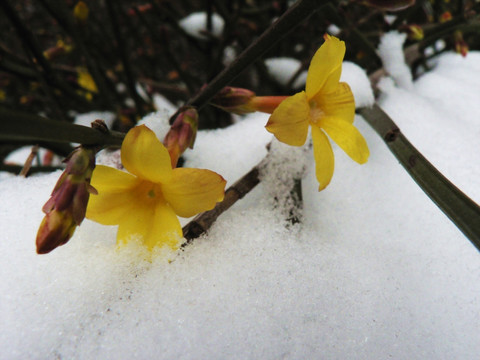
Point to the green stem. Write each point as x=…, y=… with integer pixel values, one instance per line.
x=17, y=126
x=459, y=208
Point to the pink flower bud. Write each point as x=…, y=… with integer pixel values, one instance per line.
x=182, y=134
x=56, y=229
x=235, y=100
x=66, y=208
x=242, y=101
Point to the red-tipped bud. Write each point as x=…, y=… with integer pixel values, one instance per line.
x=414, y=32
x=182, y=134
x=66, y=208
x=446, y=16
x=234, y=100
x=243, y=101
x=388, y=5
x=56, y=229
x=461, y=47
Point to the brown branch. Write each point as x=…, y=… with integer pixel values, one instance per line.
x=202, y=222
x=28, y=163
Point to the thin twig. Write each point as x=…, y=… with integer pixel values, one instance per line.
x=202, y=222
x=16, y=169
x=28, y=163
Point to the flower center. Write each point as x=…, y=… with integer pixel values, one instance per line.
x=149, y=191
x=316, y=113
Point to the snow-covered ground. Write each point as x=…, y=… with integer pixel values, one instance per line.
x=374, y=271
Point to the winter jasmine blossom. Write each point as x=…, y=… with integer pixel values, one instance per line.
x=145, y=201
x=326, y=105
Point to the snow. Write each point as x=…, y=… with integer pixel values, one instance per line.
x=87, y=118
x=359, y=83
x=282, y=69
x=390, y=50
x=195, y=25
x=374, y=271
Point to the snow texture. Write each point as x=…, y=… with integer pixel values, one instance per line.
x=374, y=271
x=283, y=69
x=390, y=50
x=358, y=80
x=196, y=25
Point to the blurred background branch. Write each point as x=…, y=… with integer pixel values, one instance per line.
x=59, y=59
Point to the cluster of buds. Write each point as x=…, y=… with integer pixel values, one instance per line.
x=66, y=208
x=182, y=134
x=243, y=101
x=60, y=49
x=388, y=5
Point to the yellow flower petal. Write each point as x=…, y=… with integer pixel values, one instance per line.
x=115, y=195
x=324, y=160
x=136, y=223
x=86, y=81
x=145, y=156
x=326, y=67
x=111, y=179
x=347, y=137
x=154, y=225
x=191, y=191
x=289, y=122
x=166, y=229
x=339, y=104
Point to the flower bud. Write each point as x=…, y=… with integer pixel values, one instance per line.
x=182, y=134
x=85, y=80
x=66, y=208
x=461, y=47
x=446, y=16
x=242, y=101
x=80, y=11
x=234, y=100
x=388, y=5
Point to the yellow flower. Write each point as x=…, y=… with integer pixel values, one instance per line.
x=86, y=81
x=146, y=201
x=327, y=105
